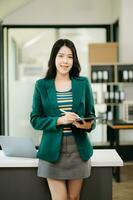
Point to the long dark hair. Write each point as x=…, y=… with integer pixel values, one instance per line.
x=75, y=70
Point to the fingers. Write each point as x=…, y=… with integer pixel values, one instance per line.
x=84, y=125
x=69, y=117
x=72, y=114
x=76, y=124
x=91, y=122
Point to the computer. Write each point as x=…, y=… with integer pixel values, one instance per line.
x=18, y=146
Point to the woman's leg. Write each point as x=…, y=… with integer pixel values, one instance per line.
x=74, y=188
x=58, y=189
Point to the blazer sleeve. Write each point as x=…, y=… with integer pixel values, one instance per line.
x=89, y=103
x=37, y=117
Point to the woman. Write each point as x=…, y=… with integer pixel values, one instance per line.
x=58, y=101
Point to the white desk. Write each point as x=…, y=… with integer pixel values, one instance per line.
x=100, y=158
x=18, y=179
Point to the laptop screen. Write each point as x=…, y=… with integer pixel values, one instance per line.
x=18, y=146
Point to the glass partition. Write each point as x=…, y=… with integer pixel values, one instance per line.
x=28, y=54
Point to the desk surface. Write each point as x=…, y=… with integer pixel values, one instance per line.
x=100, y=158
x=119, y=124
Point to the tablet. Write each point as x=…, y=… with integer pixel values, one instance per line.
x=88, y=118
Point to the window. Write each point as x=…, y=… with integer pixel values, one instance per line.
x=28, y=54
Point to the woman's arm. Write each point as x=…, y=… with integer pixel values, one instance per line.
x=89, y=103
x=37, y=118
x=89, y=109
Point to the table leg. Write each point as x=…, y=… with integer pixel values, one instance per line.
x=111, y=136
x=117, y=142
x=116, y=173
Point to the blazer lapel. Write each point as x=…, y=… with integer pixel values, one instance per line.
x=77, y=91
x=51, y=92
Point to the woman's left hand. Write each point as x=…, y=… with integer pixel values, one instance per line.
x=84, y=124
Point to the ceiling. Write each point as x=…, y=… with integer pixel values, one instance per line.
x=7, y=7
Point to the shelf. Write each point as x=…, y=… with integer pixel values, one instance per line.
x=102, y=72
x=113, y=83
x=108, y=104
x=114, y=73
x=124, y=71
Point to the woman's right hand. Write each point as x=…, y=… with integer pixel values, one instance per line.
x=68, y=118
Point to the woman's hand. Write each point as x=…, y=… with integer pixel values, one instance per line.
x=84, y=124
x=68, y=118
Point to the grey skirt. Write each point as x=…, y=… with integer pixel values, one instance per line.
x=70, y=165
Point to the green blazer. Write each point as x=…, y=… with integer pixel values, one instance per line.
x=45, y=113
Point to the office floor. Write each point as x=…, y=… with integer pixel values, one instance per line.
x=124, y=189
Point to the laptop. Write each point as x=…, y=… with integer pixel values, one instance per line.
x=18, y=146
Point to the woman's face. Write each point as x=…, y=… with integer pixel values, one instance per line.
x=64, y=60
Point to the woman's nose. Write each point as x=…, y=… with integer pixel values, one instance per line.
x=65, y=59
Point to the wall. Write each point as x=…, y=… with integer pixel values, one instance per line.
x=63, y=12
x=126, y=31
x=116, y=7
x=126, y=49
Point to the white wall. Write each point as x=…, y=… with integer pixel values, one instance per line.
x=126, y=31
x=116, y=7
x=126, y=49
x=63, y=12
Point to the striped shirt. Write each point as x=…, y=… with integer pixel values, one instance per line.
x=64, y=100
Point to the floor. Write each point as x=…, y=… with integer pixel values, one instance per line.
x=124, y=189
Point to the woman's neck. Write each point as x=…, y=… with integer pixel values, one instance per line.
x=62, y=83
x=60, y=77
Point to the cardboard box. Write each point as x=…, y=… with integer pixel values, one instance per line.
x=103, y=52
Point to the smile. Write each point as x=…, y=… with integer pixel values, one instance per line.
x=64, y=66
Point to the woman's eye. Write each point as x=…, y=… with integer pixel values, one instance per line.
x=60, y=56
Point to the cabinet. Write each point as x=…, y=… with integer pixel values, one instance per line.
x=103, y=52
x=109, y=83
x=113, y=76
x=111, y=73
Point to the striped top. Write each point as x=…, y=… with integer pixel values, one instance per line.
x=64, y=100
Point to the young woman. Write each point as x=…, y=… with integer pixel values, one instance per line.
x=59, y=100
